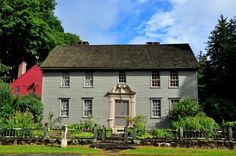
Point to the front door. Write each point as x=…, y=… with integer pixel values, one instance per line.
x=121, y=111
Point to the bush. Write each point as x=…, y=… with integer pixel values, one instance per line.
x=145, y=136
x=81, y=134
x=140, y=122
x=21, y=120
x=198, y=122
x=229, y=123
x=163, y=133
x=31, y=103
x=87, y=124
x=184, y=108
x=9, y=104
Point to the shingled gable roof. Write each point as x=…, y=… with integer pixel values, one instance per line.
x=164, y=56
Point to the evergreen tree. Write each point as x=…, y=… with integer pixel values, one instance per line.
x=218, y=71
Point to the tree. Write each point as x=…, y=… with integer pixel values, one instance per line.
x=3, y=70
x=7, y=101
x=28, y=31
x=218, y=71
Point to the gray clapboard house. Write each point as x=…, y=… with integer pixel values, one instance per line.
x=110, y=82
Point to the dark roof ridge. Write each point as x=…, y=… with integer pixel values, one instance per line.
x=165, y=44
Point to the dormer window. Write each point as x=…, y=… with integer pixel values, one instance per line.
x=122, y=77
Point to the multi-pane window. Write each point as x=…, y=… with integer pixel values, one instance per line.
x=65, y=79
x=64, y=107
x=174, y=79
x=155, y=81
x=155, y=108
x=122, y=77
x=87, y=107
x=88, y=79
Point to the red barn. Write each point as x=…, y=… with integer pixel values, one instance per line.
x=28, y=81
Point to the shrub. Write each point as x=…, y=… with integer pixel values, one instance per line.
x=140, y=122
x=21, y=120
x=184, y=108
x=77, y=126
x=87, y=124
x=229, y=123
x=81, y=134
x=199, y=122
x=31, y=103
x=145, y=136
x=163, y=133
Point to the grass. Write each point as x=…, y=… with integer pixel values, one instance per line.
x=38, y=149
x=85, y=150
x=150, y=150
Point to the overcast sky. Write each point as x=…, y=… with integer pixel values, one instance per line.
x=139, y=21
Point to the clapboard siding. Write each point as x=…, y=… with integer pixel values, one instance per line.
x=104, y=81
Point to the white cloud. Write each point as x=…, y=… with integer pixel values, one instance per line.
x=187, y=21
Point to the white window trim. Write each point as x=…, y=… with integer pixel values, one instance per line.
x=170, y=79
x=91, y=79
x=152, y=79
x=62, y=80
x=151, y=108
x=60, y=100
x=83, y=106
x=124, y=77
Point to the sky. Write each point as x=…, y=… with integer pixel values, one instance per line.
x=141, y=21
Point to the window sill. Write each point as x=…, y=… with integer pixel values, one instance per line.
x=158, y=117
x=64, y=117
x=173, y=87
x=64, y=87
x=88, y=87
x=155, y=87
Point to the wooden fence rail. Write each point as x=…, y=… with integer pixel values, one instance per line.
x=103, y=133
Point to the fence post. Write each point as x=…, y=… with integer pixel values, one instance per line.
x=230, y=133
x=45, y=130
x=134, y=132
x=95, y=133
x=64, y=137
x=181, y=133
x=103, y=133
x=125, y=134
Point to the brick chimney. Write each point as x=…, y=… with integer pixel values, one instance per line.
x=152, y=43
x=22, y=68
x=83, y=43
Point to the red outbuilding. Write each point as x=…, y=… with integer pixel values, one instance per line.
x=28, y=81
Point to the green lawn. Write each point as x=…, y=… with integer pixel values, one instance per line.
x=150, y=150
x=29, y=149
x=144, y=150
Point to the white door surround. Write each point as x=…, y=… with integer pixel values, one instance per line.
x=120, y=92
